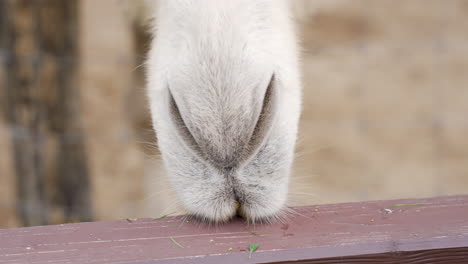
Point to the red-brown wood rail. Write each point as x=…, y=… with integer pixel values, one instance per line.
x=433, y=230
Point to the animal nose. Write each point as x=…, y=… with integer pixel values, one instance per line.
x=224, y=134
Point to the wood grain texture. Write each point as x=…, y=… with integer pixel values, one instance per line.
x=433, y=256
x=435, y=230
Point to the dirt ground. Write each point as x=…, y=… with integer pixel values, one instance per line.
x=384, y=111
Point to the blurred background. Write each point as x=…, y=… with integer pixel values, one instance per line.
x=385, y=107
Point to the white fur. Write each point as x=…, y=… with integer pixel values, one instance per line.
x=216, y=58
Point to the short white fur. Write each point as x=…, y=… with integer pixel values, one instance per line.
x=211, y=64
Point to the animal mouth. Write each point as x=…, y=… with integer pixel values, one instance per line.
x=237, y=207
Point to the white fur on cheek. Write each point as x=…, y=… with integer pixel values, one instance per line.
x=216, y=57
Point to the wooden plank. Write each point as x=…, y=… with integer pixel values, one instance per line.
x=433, y=230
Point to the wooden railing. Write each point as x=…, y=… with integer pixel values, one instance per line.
x=433, y=230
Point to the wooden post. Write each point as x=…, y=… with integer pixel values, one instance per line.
x=38, y=39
